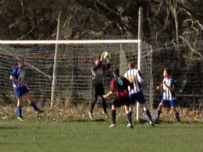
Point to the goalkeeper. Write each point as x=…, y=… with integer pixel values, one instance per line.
x=98, y=69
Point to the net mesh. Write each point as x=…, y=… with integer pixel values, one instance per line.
x=73, y=71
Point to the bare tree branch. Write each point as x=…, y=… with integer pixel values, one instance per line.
x=107, y=8
x=22, y=7
x=193, y=50
x=166, y=20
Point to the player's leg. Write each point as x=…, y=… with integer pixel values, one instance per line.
x=147, y=112
x=104, y=106
x=92, y=104
x=131, y=108
x=113, y=116
x=130, y=111
x=19, y=94
x=141, y=99
x=101, y=93
x=32, y=104
x=159, y=110
x=173, y=107
x=129, y=116
x=94, y=100
x=95, y=94
x=176, y=113
x=19, y=109
x=132, y=101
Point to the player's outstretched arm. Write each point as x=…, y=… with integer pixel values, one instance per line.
x=95, y=67
x=12, y=78
x=159, y=87
x=108, y=61
x=108, y=64
x=110, y=93
x=102, y=56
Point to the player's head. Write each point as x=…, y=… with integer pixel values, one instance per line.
x=131, y=65
x=96, y=60
x=21, y=63
x=167, y=72
x=116, y=72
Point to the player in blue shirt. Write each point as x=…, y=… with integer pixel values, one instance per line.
x=21, y=89
x=168, y=94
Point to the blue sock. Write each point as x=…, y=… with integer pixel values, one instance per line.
x=177, y=117
x=34, y=106
x=148, y=115
x=158, y=114
x=19, y=111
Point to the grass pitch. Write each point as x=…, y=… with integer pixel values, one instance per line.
x=82, y=135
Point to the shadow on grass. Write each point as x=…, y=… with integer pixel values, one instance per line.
x=8, y=128
x=83, y=120
x=175, y=122
x=99, y=120
x=142, y=121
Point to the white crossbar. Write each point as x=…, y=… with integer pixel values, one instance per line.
x=66, y=42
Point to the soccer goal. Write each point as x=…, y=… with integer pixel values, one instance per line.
x=60, y=71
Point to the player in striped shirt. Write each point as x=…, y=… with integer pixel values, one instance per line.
x=136, y=94
x=21, y=89
x=119, y=89
x=168, y=94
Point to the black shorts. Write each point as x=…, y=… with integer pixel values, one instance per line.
x=97, y=89
x=121, y=102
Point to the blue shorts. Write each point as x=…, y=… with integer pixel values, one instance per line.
x=172, y=103
x=139, y=96
x=20, y=91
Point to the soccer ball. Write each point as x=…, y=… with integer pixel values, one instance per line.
x=107, y=55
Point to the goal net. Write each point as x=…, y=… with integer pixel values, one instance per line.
x=73, y=67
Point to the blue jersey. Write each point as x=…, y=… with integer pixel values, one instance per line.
x=167, y=93
x=19, y=74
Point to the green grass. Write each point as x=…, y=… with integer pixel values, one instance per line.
x=85, y=136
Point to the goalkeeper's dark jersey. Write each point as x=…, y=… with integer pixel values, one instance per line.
x=98, y=72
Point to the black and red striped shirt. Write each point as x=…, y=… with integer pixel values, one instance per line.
x=119, y=87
